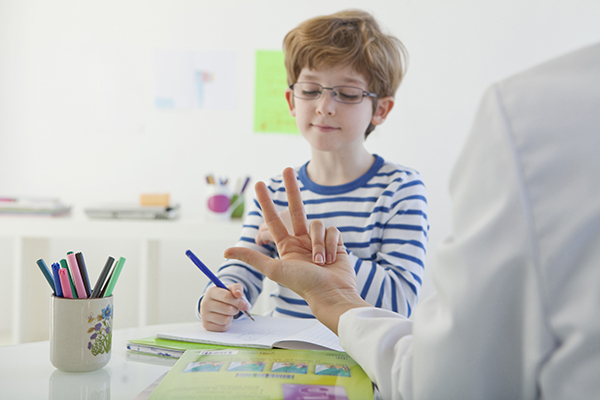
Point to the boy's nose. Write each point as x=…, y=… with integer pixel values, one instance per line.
x=326, y=103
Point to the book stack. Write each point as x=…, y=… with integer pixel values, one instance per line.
x=33, y=206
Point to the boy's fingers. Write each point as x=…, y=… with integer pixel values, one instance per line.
x=317, y=237
x=274, y=222
x=218, y=294
x=295, y=205
x=237, y=290
x=217, y=322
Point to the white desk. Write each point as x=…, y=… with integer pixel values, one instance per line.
x=26, y=372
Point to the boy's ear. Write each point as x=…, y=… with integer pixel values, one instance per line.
x=384, y=106
x=289, y=96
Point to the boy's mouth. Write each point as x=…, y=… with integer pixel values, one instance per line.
x=325, y=128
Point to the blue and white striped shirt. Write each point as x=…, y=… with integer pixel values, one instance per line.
x=383, y=220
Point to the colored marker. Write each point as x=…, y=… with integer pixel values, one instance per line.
x=66, y=285
x=84, y=273
x=114, y=276
x=63, y=265
x=112, y=271
x=210, y=275
x=44, y=268
x=76, y=275
x=57, y=285
x=102, y=277
x=245, y=185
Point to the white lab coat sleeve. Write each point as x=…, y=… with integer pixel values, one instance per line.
x=380, y=341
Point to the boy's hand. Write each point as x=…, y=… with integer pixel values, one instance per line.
x=264, y=235
x=219, y=306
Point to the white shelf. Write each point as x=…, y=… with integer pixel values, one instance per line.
x=65, y=227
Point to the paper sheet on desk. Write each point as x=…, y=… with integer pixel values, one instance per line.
x=265, y=332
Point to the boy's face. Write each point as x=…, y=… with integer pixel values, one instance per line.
x=329, y=125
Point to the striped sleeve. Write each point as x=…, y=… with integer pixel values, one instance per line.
x=389, y=259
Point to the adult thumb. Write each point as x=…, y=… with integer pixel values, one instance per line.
x=258, y=260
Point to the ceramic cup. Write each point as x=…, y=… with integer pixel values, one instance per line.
x=80, y=333
x=218, y=202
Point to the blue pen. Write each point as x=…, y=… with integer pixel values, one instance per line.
x=210, y=275
x=44, y=268
x=57, y=286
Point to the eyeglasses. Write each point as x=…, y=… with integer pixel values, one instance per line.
x=341, y=94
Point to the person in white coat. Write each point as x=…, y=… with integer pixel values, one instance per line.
x=516, y=314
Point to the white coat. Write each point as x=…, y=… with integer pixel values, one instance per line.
x=516, y=314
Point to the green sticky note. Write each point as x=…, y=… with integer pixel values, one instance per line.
x=271, y=114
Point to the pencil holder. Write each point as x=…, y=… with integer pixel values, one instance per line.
x=218, y=202
x=80, y=333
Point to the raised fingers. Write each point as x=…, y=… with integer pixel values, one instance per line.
x=295, y=205
x=274, y=222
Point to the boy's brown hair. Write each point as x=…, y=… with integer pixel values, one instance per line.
x=350, y=37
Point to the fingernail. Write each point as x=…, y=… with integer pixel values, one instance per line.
x=319, y=258
x=329, y=259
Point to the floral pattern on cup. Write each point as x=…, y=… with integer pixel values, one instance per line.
x=101, y=338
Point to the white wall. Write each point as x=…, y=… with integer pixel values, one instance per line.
x=76, y=90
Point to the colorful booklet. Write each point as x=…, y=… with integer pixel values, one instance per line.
x=264, y=332
x=264, y=374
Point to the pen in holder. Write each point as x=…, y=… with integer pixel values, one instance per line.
x=80, y=333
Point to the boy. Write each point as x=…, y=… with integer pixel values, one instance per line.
x=342, y=73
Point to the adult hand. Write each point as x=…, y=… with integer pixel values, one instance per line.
x=264, y=235
x=329, y=288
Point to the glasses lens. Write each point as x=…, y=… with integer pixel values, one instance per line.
x=348, y=94
x=308, y=91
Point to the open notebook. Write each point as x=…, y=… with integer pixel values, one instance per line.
x=265, y=332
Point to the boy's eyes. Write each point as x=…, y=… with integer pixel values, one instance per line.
x=342, y=94
x=347, y=95
x=311, y=93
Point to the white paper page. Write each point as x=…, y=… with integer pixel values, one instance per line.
x=263, y=332
x=318, y=334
